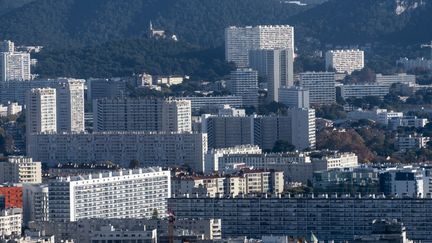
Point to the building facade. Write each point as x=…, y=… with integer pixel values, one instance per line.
x=35, y=203
x=321, y=87
x=294, y=97
x=240, y=40
x=14, y=66
x=344, y=61
x=275, y=66
x=149, y=148
x=122, y=194
x=244, y=83
x=20, y=169
x=142, y=114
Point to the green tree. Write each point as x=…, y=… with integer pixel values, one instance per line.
x=134, y=164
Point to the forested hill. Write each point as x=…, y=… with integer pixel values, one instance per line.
x=79, y=22
x=360, y=21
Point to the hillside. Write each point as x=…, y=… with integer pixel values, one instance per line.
x=126, y=57
x=354, y=21
x=61, y=23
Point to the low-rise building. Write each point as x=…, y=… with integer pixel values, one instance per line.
x=412, y=141
x=20, y=169
x=212, y=157
x=364, y=90
x=10, y=222
x=205, y=103
x=10, y=109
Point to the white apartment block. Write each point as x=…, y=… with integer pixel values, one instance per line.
x=364, y=90
x=321, y=86
x=401, y=78
x=70, y=105
x=244, y=83
x=275, y=66
x=11, y=109
x=227, y=110
x=407, y=121
x=142, y=114
x=10, y=222
x=14, y=66
x=411, y=64
x=240, y=40
x=213, y=155
x=20, y=169
x=35, y=203
x=123, y=194
x=41, y=111
x=339, y=160
x=7, y=46
x=149, y=148
x=303, y=128
x=209, y=102
x=294, y=97
x=344, y=61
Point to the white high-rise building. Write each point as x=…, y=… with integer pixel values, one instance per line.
x=303, y=128
x=13, y=65
x=41, y=111
x=240, y=40
x=344, y=61
x=294, y=97
x=142, y=114
x=123, y=194
x=20, y=169
x=321, y=86
x=276, y=66
x=35, y=203
x=244, y=83
x=70, y=106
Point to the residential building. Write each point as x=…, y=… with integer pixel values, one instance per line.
x=244, y=83
x=227, y=110
x=329, y=217
x=244, y=181
x=108, y=195
x=412, y=141
x=149, y=148
x=142, y=114
x=344, y=61
x=364, y=90
x=199, y=104
x=213, y=155
x=384, y=230
x=347, y=180
x=7, y=46
x=407, y=121
x=400, y=78
x=275, y=66
x=321, y=87
x=240, y=40
x=110, y=234
x=294, y=97
x=297, y=128
x=41, y=111
x=12, y=195
x=35, y=203
x=228, y=131
x=70, y=105
x=14, y=66
x=297, y=167
x=106, y=88
x=83, y=229
x=20, y=169
x=10, y=222
x=382, y=116
x=405, y=181
x=10, y=109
